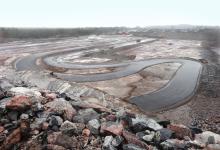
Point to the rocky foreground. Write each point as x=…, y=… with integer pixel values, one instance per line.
x=36, y=119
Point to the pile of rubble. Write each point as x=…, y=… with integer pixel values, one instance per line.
x=39, y=119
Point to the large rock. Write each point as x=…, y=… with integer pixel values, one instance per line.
x=133, y=139
x=117, y=141
x=94, y=126
x=12, y=139
x=112, y=128
x=173, y=144
x=180, y=131
x=87, y=104
x=139, y=126
x=107, y=145
x=19, y=103
x=71, y=128
x=148, y=123
x=164, y=134
x=68, y=128
x=85, y=115
x=25, y=91
x=55, y=121
x=149, y=137
x=57, y=138
x=207, y=137
x=63, y=107
x=37, y=123
x=213, y=147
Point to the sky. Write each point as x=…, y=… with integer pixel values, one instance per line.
x=108, y=13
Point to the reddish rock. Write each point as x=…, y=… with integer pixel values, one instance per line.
x=111, y=127
x=1, y=129
x=19, y=103
x=180, y=130
x=13, y=138
x=86, y=132
x=131, y=138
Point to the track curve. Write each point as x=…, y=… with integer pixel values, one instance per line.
x=179, y=89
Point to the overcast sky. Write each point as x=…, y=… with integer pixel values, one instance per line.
x=90, y=13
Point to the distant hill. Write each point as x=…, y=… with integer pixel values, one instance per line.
x=209, y=34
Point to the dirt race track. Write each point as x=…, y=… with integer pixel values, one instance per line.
x=154, y=74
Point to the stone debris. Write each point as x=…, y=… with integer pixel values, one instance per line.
x=132, y=147
x=85, y=115
x=112, y=128
x=180, y=130
x=12, y=139
x=107, y=145
x=62, y=107
x=165, y=134
x=57, y=138
x=19, y=103
x=145, y=122
x=206, y=138
x=133, y=139
x=71, y=128
x=94, y=126
x=148, y=138
x=117, y=141
x=52, y=121
x=25, y=91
